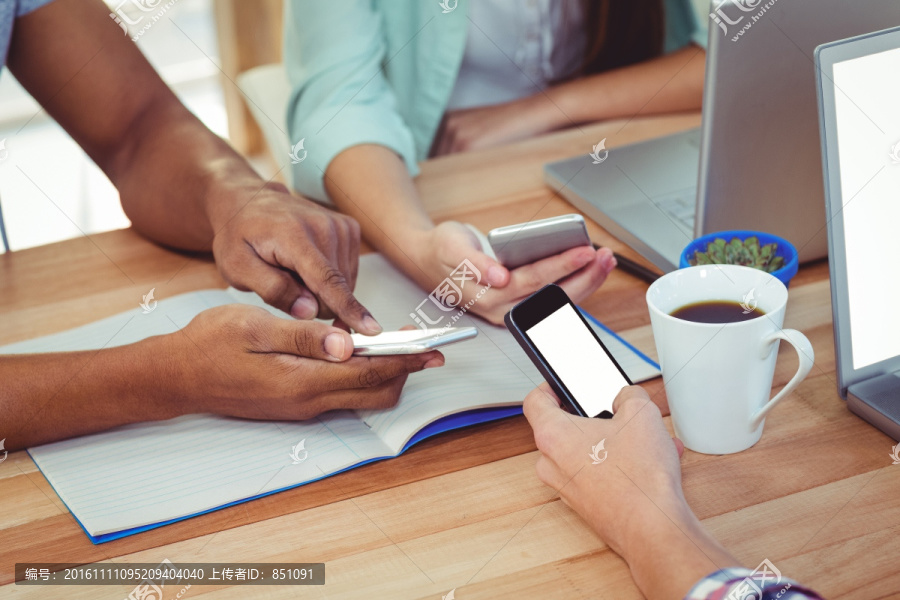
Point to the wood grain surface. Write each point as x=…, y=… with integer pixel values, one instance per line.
x=817, y=495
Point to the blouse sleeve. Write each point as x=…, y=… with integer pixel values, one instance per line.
x=687, y=21
x=339, y=98
x=700, y=31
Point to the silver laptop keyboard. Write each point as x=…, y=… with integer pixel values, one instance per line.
x=680, y=207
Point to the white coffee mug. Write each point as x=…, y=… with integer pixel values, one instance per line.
x=718, y=377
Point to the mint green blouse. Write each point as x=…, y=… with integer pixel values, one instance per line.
x=382, y=71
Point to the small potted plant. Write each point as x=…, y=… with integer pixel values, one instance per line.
x=759, y=250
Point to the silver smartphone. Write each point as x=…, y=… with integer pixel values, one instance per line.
x=409, y=342
x=525, y=243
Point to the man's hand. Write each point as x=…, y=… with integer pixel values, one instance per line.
x=640, y=460
x=297, y=256
x=579, y=271
x=236, y=360
x=632, y=495
x=241, y=361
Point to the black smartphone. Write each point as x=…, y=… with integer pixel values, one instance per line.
x=567, y=352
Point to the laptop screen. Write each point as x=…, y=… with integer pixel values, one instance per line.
x=867, y=107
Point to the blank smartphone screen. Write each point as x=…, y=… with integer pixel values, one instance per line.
x=579, y=361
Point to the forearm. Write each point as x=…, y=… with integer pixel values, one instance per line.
x=669, y=550
x=50, y=397
x=179, y=183
x=670, y=83
x=371, y=184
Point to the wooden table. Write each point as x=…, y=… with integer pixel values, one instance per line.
x=817, y=495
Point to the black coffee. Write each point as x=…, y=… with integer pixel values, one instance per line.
x=717, y=311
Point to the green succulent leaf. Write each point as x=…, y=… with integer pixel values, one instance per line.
x=746, y=252
x=777, y=263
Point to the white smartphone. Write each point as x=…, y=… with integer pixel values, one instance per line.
x=525, y=243
x=409, y=342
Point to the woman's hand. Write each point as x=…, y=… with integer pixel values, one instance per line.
x=242, y=361
x=579, y=272
x=489, y=126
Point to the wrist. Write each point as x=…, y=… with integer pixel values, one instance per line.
x=417, y=254
x=162, y=371
x=641, y=516
x=667, y=548
x=569, y=101
x=545, y=112
x=226, y=197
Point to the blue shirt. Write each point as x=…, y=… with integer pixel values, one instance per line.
x=10, y=10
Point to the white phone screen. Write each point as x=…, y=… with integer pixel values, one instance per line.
x=579, y=361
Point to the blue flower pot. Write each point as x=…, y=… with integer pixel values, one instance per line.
x=785, y=249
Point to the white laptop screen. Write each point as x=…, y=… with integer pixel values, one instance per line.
x=867, y=107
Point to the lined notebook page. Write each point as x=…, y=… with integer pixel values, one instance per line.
x=490, y=370
x=128, y=327
x=154, y=472
x=149, y=473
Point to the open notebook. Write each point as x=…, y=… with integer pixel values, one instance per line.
x=146, y=475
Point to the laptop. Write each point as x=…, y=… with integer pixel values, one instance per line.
x=755, y=162
x=859, y=90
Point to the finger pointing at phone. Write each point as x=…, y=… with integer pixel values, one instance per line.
x=299, y=257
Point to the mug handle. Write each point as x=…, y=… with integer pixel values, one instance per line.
x=806, y=356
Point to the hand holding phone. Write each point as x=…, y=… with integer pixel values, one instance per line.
x=567, y=352
x=495, y=289
x=414, y=341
